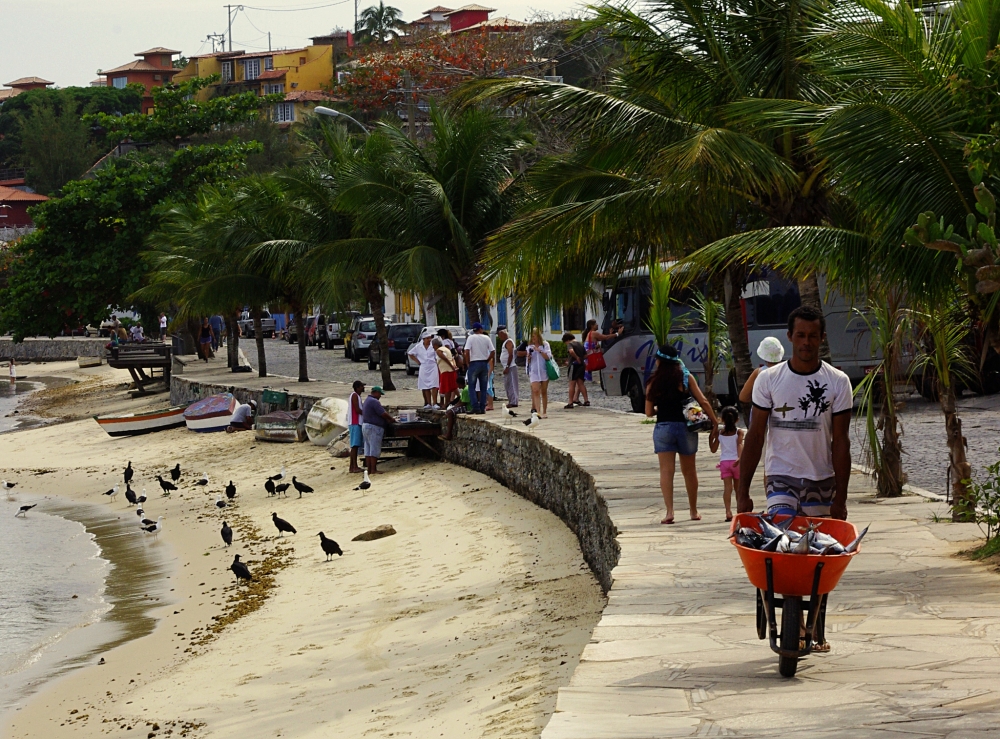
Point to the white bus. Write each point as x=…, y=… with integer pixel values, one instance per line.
x=766, y=301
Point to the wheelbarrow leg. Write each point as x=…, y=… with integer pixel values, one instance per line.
x=815, y=602
x=769, y=602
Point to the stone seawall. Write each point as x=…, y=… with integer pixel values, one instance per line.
x=545, y=475
x=525, y=464
x=51, y=350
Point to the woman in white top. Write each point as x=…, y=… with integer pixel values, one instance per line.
x=425, y=356
x=730, y=440
x=539, y=353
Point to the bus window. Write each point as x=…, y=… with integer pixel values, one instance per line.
x=769, y=299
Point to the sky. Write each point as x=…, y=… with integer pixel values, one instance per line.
x=67, y=41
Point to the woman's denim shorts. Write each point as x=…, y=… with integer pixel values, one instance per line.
x=671, y=436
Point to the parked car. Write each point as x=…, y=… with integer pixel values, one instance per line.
x=338, y=326
x=362, y=335
x=458, y=335
x=352, y=327
x=266, y=325
x=293, y=330
x=401, y=336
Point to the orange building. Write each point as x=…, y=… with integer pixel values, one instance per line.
x=155, y=69
x=23, y=85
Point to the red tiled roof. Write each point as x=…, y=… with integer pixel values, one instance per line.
x=309, y=96
x=157, y=50
x=495, y=24
x=139, y=66
x=437, y=9
x=10, y=194
x=28, y=81
x=472, y=7
x=271, y=74
x=4, y=94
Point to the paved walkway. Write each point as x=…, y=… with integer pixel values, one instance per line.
x=915, y=630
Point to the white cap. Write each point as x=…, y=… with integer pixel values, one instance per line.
x=771, y=350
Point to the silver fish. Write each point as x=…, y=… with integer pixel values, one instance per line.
x=772, y=545
x=853, y=546
x=767, y=529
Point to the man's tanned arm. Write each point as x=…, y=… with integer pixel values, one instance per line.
x=753, y=446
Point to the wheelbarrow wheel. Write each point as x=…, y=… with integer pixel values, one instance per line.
x=791, y=623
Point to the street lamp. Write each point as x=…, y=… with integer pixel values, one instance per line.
x=337, y=114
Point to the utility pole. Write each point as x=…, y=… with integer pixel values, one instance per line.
x=229, y=19
x=355, y=18
x=411, y=106
x=268, y=40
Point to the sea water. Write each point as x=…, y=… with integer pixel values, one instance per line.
x=10, y=396
x=75, y=581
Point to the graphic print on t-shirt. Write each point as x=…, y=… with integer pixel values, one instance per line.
x=813, y=404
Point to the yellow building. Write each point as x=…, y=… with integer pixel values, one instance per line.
x=299, y=74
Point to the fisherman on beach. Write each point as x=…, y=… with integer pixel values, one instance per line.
x=13, y=374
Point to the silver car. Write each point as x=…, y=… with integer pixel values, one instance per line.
x=361, y=340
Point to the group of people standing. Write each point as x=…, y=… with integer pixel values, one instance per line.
x=800, y=414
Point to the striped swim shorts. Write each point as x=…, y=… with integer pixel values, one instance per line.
x=799, y=496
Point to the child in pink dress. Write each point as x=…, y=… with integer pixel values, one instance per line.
x=730, y=440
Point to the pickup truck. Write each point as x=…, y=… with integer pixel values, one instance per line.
x=266, y=324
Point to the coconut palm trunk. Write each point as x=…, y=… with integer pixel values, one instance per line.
x=300, y=328
x=233, y=342
x=373, y=294
x=959, y=469
x=735, y=276
x=258, y=335
x=811, y=297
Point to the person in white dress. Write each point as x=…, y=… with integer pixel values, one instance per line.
x=426, y=357
x=539, y=353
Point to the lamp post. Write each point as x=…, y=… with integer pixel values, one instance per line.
x=337, y=114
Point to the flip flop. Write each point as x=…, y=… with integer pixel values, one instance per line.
x=668, y=520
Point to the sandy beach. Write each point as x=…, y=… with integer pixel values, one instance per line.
x=463, y=624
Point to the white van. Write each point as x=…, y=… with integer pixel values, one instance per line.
x=767, y=301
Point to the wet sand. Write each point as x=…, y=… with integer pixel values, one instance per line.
x=464, y=623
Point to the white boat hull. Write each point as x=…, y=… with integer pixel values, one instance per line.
x=134, y=424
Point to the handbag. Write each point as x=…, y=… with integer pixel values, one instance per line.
x=552, y=369
x=695, y=416
x=595, y=361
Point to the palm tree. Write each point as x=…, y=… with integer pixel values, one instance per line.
x=425, y=211
x=380, y=23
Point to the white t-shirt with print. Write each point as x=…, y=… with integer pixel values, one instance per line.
x=800, y=428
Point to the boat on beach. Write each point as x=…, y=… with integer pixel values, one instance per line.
x=326, y=421
x=211, y=414
x=281, y=426
x=133, y=424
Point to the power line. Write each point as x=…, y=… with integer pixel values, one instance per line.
x=296, y=10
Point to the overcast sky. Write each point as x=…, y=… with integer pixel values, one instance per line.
x=67, y=41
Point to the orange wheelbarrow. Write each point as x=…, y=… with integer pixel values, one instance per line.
x=783, y=580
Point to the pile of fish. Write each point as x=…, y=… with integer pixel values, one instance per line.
x=778, y=537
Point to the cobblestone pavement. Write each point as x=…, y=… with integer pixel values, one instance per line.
x=925, y=460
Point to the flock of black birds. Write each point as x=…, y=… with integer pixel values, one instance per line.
x=273, y=485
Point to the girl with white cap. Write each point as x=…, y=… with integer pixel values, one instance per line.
x=772, y=352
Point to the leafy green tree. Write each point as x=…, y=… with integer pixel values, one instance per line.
x=380, y=23
x=56, y=148
x=84, y=259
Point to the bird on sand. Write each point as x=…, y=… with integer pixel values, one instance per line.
x=301, y=487
x=155, y=527
x=166, y=486
x=142, y=498
x=175, y=473
x=230, y=490
x=130, y=496
x=330, y=547
x=203, y=480
x=280, y=475
x=282, y=488
x=269, y=486
x=219, y=502
x=508, y=412
x=25, y=508
x=139, y=512
x=113, y=492
x=128, y=473
x=366, y=483
x=227, y=534
x=532, y=422
x=282, y=525
x=7, y=485
x=147, y=522
x=239, y=569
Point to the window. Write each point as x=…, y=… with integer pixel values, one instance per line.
x=269, y=62
x=502, y=312
x=555, y=320
x=119, y=82
x=575, y=317
x=272, y=89
x=302, y=60
x=156, y=78
x=251, y=69
x=769, y=298
x=227, y=71
x=284, y=112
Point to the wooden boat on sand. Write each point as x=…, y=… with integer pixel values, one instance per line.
x=133, y=424
x=212, y=413
x=283, y=426
x=327, y=420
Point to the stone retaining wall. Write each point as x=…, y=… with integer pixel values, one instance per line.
x=532, y=468
x=545, y=475
x=51, y=350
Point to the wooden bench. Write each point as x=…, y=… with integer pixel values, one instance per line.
x=138, y=358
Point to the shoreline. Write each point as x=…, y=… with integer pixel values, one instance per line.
x=469, y=619
x=134, y=576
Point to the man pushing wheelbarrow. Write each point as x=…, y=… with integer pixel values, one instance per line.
x=802, y=407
